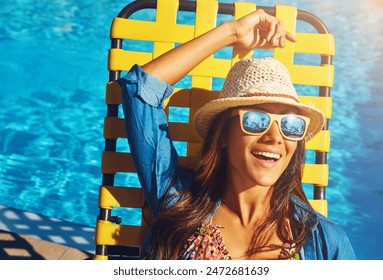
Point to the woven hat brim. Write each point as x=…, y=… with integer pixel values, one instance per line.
x=206, y=113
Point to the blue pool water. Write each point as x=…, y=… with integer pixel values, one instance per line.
x=53, y=74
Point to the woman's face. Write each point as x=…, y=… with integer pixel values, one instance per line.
x=258, y=160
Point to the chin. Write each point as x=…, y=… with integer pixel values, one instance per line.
x=264, y=182
x=265, y=185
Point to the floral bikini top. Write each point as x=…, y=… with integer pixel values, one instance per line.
x=206, y=244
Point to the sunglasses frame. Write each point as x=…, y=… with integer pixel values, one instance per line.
x=273, y=117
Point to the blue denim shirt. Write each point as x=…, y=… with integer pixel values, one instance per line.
x=156, y=160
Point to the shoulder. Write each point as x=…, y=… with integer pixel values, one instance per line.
x=329, y=227
x=315, y=220
x=327, y=240
x=330, y=240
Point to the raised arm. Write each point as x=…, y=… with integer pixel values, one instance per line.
x=255, y=30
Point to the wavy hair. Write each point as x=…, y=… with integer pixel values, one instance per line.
x=191, y=206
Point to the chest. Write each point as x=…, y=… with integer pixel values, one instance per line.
x=244, y=241
x=240, y=244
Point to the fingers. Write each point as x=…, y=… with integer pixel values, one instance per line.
x=276, y=35
x=279, y=36
x=290, y=37
x=271, y=32
x=259, y=29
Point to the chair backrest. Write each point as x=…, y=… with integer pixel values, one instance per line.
x=115, y=238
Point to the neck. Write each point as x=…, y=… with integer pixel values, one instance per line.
x=250, y=204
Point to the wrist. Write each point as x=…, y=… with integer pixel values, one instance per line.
x=229, y=31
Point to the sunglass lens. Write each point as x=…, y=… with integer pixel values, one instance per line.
x=293, y=126
x=255, y=122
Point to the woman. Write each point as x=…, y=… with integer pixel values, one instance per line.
x=244, y=200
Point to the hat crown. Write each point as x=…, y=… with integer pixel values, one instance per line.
x=258, y=77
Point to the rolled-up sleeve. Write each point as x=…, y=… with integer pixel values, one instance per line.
x=153, y=153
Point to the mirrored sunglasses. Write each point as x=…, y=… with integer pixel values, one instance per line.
x=255, y=122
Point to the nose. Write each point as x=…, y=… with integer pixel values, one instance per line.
x=273, y=134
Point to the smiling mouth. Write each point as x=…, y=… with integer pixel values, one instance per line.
x=266, y=156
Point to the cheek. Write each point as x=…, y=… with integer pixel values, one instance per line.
x=291, y=146
x=290, y=149
x=234, y=151
x=231, y=132
x=238, y=151
x=235, y=145
x=235, y=140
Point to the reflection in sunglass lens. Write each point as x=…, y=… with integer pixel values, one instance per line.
x=255, y=122
x=293, y=126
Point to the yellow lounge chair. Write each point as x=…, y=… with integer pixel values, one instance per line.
x=116, y=239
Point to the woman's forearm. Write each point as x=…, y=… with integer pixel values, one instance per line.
x=257, y=29
x=178, y=62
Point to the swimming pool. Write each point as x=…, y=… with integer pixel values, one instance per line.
x=53, y=69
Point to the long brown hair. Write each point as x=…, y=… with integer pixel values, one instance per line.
x=287, y=196
x=191, y=206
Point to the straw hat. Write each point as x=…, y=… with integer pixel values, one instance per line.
x=257, y=81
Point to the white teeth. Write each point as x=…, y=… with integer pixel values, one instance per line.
x=269, y=155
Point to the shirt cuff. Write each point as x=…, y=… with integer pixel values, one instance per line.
x=151, y=89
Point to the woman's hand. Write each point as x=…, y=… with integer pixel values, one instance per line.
x=260, y=30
